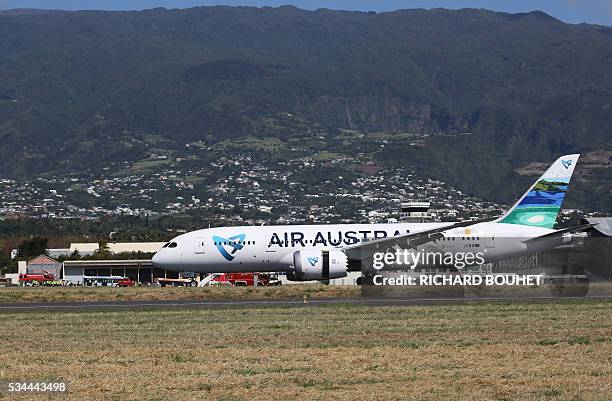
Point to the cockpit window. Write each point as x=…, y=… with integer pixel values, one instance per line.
x=173, y=245
x=166, y=245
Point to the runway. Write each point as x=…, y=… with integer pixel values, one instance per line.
x=258, y=303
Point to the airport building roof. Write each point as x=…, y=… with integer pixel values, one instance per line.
x=118, y=247
x=109, y=263
x=42, y=260
x=83, y=247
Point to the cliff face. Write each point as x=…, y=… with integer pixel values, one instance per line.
x=368, y=113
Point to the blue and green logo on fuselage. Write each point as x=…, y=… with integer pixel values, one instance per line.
x=236, y=243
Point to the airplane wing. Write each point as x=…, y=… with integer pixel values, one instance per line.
x=365, y=250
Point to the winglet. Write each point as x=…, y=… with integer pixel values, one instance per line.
x=540, y=205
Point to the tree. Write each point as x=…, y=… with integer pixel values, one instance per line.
x=33, y=247
x=103, y=251
x=7, y=265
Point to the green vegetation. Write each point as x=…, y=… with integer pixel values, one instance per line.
x=103, y=294
x=487, y=351
x=326, y=156
x=150, y=164
x=124, y=228
x=251, y=143
x=33, y=247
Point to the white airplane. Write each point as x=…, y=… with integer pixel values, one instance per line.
x=322, y=252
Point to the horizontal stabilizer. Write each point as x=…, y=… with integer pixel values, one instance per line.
x=560, y=233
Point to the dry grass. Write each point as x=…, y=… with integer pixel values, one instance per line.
x=13, y=295
x=558, y=350
x=103, y=294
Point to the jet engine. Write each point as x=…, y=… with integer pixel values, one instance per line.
x=318, y=265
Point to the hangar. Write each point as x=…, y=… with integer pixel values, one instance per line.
x=43, y=264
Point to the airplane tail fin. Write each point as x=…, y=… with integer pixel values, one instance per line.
x=540, y=205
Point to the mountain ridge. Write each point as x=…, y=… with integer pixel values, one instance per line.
x=77, y=87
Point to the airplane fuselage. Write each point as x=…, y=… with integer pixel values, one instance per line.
x=271, y=248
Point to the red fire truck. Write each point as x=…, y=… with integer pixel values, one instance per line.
x=36, y=279
x=245, y=279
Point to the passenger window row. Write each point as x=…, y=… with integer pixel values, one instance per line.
x=462, y=238
x=236, y=243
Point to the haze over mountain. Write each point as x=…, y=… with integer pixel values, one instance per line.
x=79, y=89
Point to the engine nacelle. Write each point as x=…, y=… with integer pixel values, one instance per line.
x=318, y=265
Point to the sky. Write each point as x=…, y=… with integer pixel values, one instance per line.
x=573, y=11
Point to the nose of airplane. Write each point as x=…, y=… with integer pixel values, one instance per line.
x=157, y=260
x=166, y=259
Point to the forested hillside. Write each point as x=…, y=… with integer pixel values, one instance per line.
x=82, y=89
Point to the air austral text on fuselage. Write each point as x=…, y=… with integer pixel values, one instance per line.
x=330, y=238
x=334, y=235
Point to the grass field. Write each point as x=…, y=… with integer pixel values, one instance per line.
x=252, y=143
x=559, y=350
x=108, y=294
x=13, y=295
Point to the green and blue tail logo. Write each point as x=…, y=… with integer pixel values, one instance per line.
x=236, y=243
x=540, y=206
